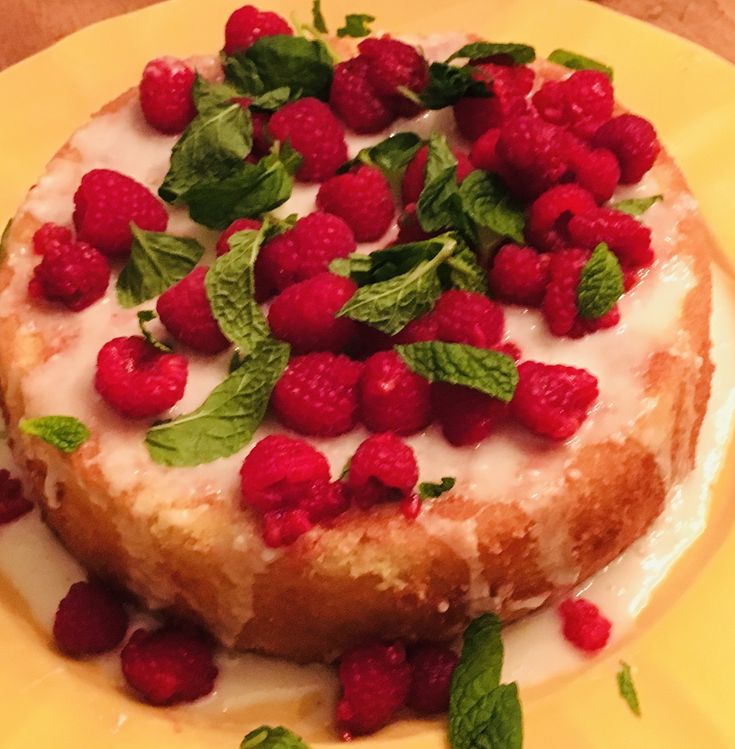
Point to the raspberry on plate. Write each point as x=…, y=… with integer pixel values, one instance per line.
x=550, y=213
x=165, y=94
x=595, y=169
x=466, y=416
x=583, y=625
x=415, y=174
x=484, y=151
x=13, y=503
x=283, y=527
x=239, y=224
x=519, y=275
x=49, y=236
x=248, y=24
x=468, y=317
x=432, y=667
x=355, y=100
x=634, y=142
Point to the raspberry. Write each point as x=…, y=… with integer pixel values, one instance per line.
x=355, y=100
x=508, y=85
x=168, y=666
x=550, y=213
x=317, y=394
x=383, y=469
x=519, y=275
x=362, y=198
x=553, y=400
x=466, y=416
x=629, y=239
x=311, y=128
x=239, y=224
x=468, y=317
x=433, y=666
x=185, y=311
x=596, y=170
x=392, y=397
x=165, y=94
x=51, y=236
x=582, y=102
x=634, y=142
x=136, y=379
x=73, y=274
x=583, y=625
x=89, y=620
x=248, y=24
x=409, y=228
x=484, y=151
x=283, y=527
x=302, y=252
x=371, y=340
x=415, y=174
x=104, y=205
x=324, y=501
x=13, y=503
x=375, y=681
x=304, y=314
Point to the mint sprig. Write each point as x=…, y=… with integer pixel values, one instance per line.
x=208, y=95
x=439, y=203
x=486, y=200
x=391, y=155
x=520, y=54
x=447, y=84
x=465, y=272
x=637, y=206
x=627, y=689
x=228, y=418
x=575, y=61
x=488, y=371
x=432, y=490
x=157, y=261
x=266, y=737
x=66, y=433
x=145, y=316
x=600, y=283
x=356, y=25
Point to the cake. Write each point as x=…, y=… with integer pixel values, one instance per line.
x=529, y=515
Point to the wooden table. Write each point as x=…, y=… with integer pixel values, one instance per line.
x=31, y=25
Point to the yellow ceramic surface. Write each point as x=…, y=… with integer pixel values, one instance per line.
x=684, y=648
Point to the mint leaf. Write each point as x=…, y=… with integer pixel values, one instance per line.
x=575, y=61
x=63, y=432
x=272, y=100
x=439, y=204
x=208, y=95
x=496, y=721
x=356, y=25
x=391, y=155
x=627, y=689
x=429, y=490
x=488, y=371
x=465, y=272
x=488, y=203
x=157, y=261
x=241, y=73
x=637, y=206
x=212, y=146
x=447, y=84
x=518, y=53
x=228, y=418
x=317, y=19
x=353, y=266
x=600, y=283
x=266, y=737
x=145, y=316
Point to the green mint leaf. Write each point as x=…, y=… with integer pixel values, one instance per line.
x=356, y=25
x=228, y=418
x=288, y=156
x=145, y=316
x=488, y=203
x=637, y=206
x=210, y=149
x=576, y=61
x=241, y=73
x=317, y=19
x=157, y=261
x=520, y=54
x=272, y=100
x=391, y=155
x=627, y=689
x=465, y=272
x=63, y=432
x=490, y=372
x=429, y=490
x=354, y=266
x=449, y=83
x=266, y=737
x=294, y=62
x=600, y=283
x=208, y=95
x=496, y=721
x=439, y=204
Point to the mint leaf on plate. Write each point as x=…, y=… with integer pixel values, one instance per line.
x=432, y=490
x=208, y=95
x=391, y=155
x=600, y=283
x=144, y=316
x=465, y=272
x=356, y=25
x=66, y=433
x=157, y=261
x=241, y=73
x=575, y=61
x=627, y=689
x=518, y=53
x=488, y=203
x=447, y=84
x=637, y=206
x=266, y=737
x=439, y=203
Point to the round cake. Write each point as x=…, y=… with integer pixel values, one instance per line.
x=534, y=507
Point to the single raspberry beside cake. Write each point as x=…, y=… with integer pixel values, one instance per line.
x=165, y=94
x=248, y=24
x=583, y=625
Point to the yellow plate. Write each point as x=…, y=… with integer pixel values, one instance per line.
x=683, y=649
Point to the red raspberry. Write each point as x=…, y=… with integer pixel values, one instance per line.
x=433, y=666
x=239, y=224
x=415, y=174
x=136, y=379
x=596, y=170
x=508, y=85
x=553, y=400
x=324, y=501
x=550, y=213
x=383, y=469
x=283, y=527
x=634, y=142
x=468, y=317
x=583, y=624
x=484, y=151
x=375, y=681
x=168, y=666
x=466, y=416
x=51, y=236
x=583, y=101
x=519, y=275
x=261, y=139
x=304, y=314
x=409, y=228
x=371, y=340
x=629, y=239
x=302, y=252
x=165, y=94
x=355, y=100
x=248, y=24
x=317, y=394
x=362, y=198
x=104, y=205
x=89, y=620
x=311, y=128
x=392, y=397
x=185, y=311
x=13, y=503
x=73, y=274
